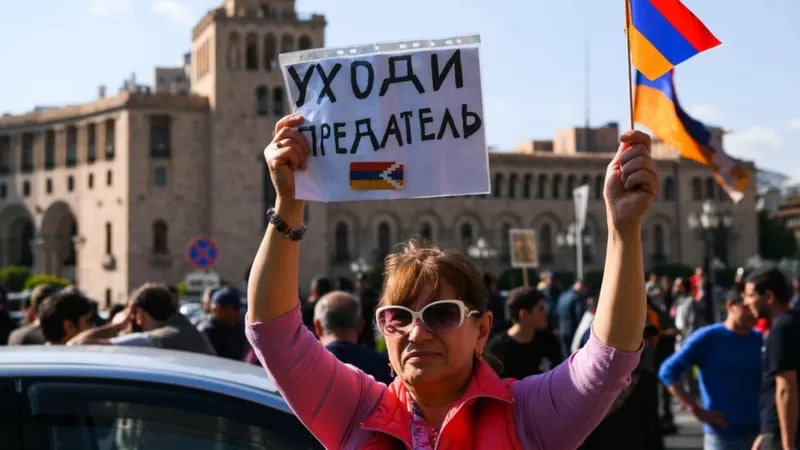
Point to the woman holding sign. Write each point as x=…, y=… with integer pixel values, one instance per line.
x=433, y=313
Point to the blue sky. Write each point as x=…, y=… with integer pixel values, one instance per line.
x=57, y=52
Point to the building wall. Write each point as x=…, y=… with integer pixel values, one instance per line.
x=239, y=131
x=491, y=216
x=181, y=203
x=98, y=196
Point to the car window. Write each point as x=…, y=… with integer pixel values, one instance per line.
x=113, y=415
x=10, y=434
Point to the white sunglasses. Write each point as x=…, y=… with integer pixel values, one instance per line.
x=438, y=316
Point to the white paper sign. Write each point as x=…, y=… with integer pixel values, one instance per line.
x=396, y=120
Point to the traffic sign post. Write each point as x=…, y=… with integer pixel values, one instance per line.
x=202, y=253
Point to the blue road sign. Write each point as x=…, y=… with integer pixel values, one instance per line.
x=202, y=253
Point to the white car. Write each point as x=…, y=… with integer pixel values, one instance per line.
x=134, y=398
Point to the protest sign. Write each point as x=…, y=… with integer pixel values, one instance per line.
x=523, y=248
x=391, y=120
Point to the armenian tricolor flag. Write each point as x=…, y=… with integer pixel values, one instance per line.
x=663, y=34
x=376, y=175
x=657, y=108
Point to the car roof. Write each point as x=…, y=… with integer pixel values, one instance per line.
x=192, y=370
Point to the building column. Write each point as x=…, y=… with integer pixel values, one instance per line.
x=40, y=247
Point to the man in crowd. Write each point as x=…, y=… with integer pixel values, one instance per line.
x=337, y=324
x=571, y=306
x=152, y=321
x=63, y=316
x=528, y=347
x=224, y=328
x=728, y=355
x=31, y=332
x=767, y=293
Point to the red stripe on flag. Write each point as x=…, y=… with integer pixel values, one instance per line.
x=369, y=166
x=686, y=23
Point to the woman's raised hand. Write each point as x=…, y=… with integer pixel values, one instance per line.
x=287, y=153
x=632, y=181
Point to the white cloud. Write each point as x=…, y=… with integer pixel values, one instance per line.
x=762, y=145
x=795, y=123
x=106, y=8
x=175, y=10
x=704, y=113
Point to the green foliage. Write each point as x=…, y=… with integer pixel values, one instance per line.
x=14, y=277
x=380, y=345
x=775, y=240
x=181, y=287
x=36, y=280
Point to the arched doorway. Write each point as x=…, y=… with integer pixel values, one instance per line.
x=60, y=232
x=16, y=234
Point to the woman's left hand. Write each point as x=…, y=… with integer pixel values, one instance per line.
x=632, y=181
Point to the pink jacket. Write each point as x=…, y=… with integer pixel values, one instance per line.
x=347, y=409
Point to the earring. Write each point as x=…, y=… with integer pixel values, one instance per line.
x=391, y=371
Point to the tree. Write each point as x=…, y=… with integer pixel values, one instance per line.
x=775, y=240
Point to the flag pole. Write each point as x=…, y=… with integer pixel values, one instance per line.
x=628, y=44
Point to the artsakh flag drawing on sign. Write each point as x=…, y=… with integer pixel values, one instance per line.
x=376, y=175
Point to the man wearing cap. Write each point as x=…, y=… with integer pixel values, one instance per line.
x=224, y=328
x=31, y=333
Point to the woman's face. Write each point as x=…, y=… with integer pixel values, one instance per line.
x=422, y=356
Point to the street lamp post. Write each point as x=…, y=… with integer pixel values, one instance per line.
x=481, y=251
x=360, y=266
x=578, y=239
x=710, y=224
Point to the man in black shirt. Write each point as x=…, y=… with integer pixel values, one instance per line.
x=528, y=347
x=767, y=294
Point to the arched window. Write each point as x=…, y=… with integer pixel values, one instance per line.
x=556, y=188
x=669, y=189
x=467, y=235
x=512, y=186
x=277, y=101
x=108, y=239
x=160, y=237
x=659, y=244
x=546, y=244
x=498, y=185
x=570, y=185
x=262, y=101
x=270, y=52
x=384, y=239
x=541, y=191
x=599, y=183
x=251, y=52
x=287, y=43
x=505, y=245
x=234, y=51
x=342, y=244
x=697, y=189
x=710, y=188
x=527, y=181
x=426, y=231
x=304, y=43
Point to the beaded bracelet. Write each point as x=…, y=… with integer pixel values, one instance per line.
x=282, y=228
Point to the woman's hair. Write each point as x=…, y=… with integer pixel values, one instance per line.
x=420, y=265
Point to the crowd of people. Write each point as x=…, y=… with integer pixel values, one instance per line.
x=439, y=356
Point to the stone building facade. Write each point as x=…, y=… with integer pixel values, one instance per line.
x=111, y=192
x=532, y=189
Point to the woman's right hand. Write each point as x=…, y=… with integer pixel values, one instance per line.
x=287, y=153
